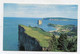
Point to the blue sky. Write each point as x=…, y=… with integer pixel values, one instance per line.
x=40, y=10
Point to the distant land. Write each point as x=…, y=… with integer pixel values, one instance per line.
x=58, y=18
x=70, y=30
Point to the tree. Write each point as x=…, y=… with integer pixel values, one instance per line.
x=72, y=45
x=63, y=42
x=53, y=44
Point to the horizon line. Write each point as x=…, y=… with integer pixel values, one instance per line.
x=46, y=17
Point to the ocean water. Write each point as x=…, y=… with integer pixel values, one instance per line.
x=10, y=29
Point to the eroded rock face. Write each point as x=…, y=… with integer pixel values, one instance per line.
x=26, y=42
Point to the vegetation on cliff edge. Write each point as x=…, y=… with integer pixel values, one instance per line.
x=42, y=38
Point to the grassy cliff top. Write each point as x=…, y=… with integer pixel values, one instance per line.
x=38, y=34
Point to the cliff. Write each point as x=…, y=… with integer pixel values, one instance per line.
x=31, y=40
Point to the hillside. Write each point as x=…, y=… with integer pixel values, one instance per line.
x=36, y=39
x=40, y=35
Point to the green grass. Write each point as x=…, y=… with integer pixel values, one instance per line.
x=41, y=31
x=38, y=34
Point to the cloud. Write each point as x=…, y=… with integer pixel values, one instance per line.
x=30, y=10
x=73, y=7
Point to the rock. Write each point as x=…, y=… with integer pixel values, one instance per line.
x=27, y=42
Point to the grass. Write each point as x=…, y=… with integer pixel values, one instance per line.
x=38, y=34
x=41, y=31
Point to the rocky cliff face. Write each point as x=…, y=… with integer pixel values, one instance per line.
x=26, y=42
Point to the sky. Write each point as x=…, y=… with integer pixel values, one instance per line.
x=40, y=10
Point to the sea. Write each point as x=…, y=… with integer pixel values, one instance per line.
x=10, y=29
